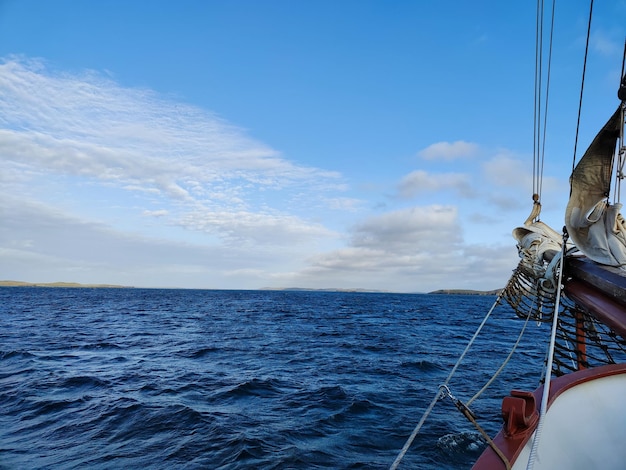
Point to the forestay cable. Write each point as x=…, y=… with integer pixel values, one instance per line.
x=506, y=361
x=582, y=84
x=442, y=387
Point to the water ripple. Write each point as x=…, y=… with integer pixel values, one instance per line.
x=134, y=378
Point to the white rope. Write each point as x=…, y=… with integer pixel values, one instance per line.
x=442, y=387
x=506, y=361
x=413, y=435
x=548, y=374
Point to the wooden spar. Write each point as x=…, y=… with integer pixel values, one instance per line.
x=600, y=290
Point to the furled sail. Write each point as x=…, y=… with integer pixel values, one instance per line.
x=595, y=226
x=538, y=245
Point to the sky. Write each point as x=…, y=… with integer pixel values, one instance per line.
x=246, y=144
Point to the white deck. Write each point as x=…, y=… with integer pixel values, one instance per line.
x=585, y=428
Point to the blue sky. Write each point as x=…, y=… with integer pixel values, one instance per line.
x=249, y=144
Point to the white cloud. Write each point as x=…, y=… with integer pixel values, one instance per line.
x=510, y=184
x=420, y=181
x=506, y=171
x=84, y=128
x=40, y=243
x=344, y=203
x=417, y=229
x=86, y=161
x=449, y=151
x=87, y=125
x=408, y=250
x=157, y=213
x=360, y=267
x=244, y=227
x=605, y=45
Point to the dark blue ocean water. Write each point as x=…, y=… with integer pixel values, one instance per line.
x=150, y=378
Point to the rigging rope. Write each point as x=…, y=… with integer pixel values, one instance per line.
x=541, y=114
x=506, y=361
x=464, y=409
x=545, y=117
x=582, y=84
x=549, y=361
x=442, y=387
x=621, y=153
x=537, y=104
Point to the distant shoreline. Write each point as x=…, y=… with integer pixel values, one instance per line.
x=466, y=292
x=329, y=289
x=373, y=291
x=58, y=284
x=275, y=289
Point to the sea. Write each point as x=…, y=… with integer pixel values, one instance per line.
x=107, y=378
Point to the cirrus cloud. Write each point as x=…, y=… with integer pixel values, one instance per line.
x=449, y=150
x=177, y=161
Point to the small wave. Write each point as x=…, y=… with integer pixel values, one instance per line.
x=6, y=355
x=16, y=373
x=354, y=408
x=296, y=457
x=256, y=387
x=263, y=388
x=140, y=421
x=141, y=334
x=57, y=357
x=332, y=394
x=462, y=442
x=200, y=353
x=181, y=416
x=360, y=406
x=324, y=399
x=375, y=348
x=332, y=334
x=83, y=381
x=423, y=365
x=151, y=388
x=46, y=407
x=101, y=345
x=246, y=448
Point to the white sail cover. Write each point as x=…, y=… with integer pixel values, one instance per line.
x=537, y=242
x=537, y=245
x=595, y=226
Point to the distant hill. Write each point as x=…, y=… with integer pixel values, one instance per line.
x=466, y=292
x=330, y=289
x=54, y=284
